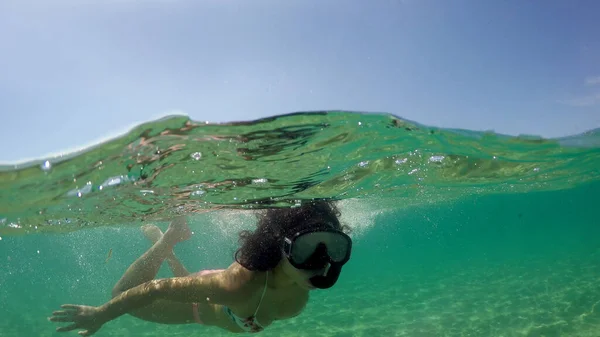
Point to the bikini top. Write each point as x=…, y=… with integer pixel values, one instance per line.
x=249, y=324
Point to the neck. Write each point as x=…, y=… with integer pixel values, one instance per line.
x=278, y=278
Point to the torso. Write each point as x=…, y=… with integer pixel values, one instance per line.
x=277, y=304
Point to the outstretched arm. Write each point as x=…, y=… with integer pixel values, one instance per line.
x=228, y=288
x=222, y=288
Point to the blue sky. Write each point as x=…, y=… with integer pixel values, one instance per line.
x=73, y=72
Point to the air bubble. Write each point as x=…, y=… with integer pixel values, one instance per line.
x=436, y=159
x=198, y=193
x=145, y=192
x=46, y=166
x=259, y=181
x=196, y=155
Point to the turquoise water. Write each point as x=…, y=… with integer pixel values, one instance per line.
x=457, y=233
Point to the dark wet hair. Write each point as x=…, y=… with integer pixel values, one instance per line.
x=261, y=250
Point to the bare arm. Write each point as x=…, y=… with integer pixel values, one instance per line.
x=227, y=288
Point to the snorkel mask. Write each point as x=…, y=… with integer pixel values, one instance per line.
x=313, y=249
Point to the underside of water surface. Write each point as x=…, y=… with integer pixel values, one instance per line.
x=179, y=166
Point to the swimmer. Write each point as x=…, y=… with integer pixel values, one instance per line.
x=291, y=252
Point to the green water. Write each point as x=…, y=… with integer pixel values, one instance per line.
x=456, y=233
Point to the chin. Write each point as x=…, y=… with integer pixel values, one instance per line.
x=307, y=285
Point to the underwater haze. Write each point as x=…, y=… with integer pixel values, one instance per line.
x=456, y=232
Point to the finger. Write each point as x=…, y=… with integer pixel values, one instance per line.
x=70, y=306
x=85, y=333
x=61, y=319
x=66, y=328
x=61, y=312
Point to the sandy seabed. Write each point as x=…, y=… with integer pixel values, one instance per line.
x=533, y=299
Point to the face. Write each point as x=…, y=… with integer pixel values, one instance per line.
x=300, y=277
x=316, y=256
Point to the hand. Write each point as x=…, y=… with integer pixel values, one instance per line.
x=83, y=317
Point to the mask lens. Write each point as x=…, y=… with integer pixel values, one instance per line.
x=305, y=245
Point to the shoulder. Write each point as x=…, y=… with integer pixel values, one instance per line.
x=238, y=278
